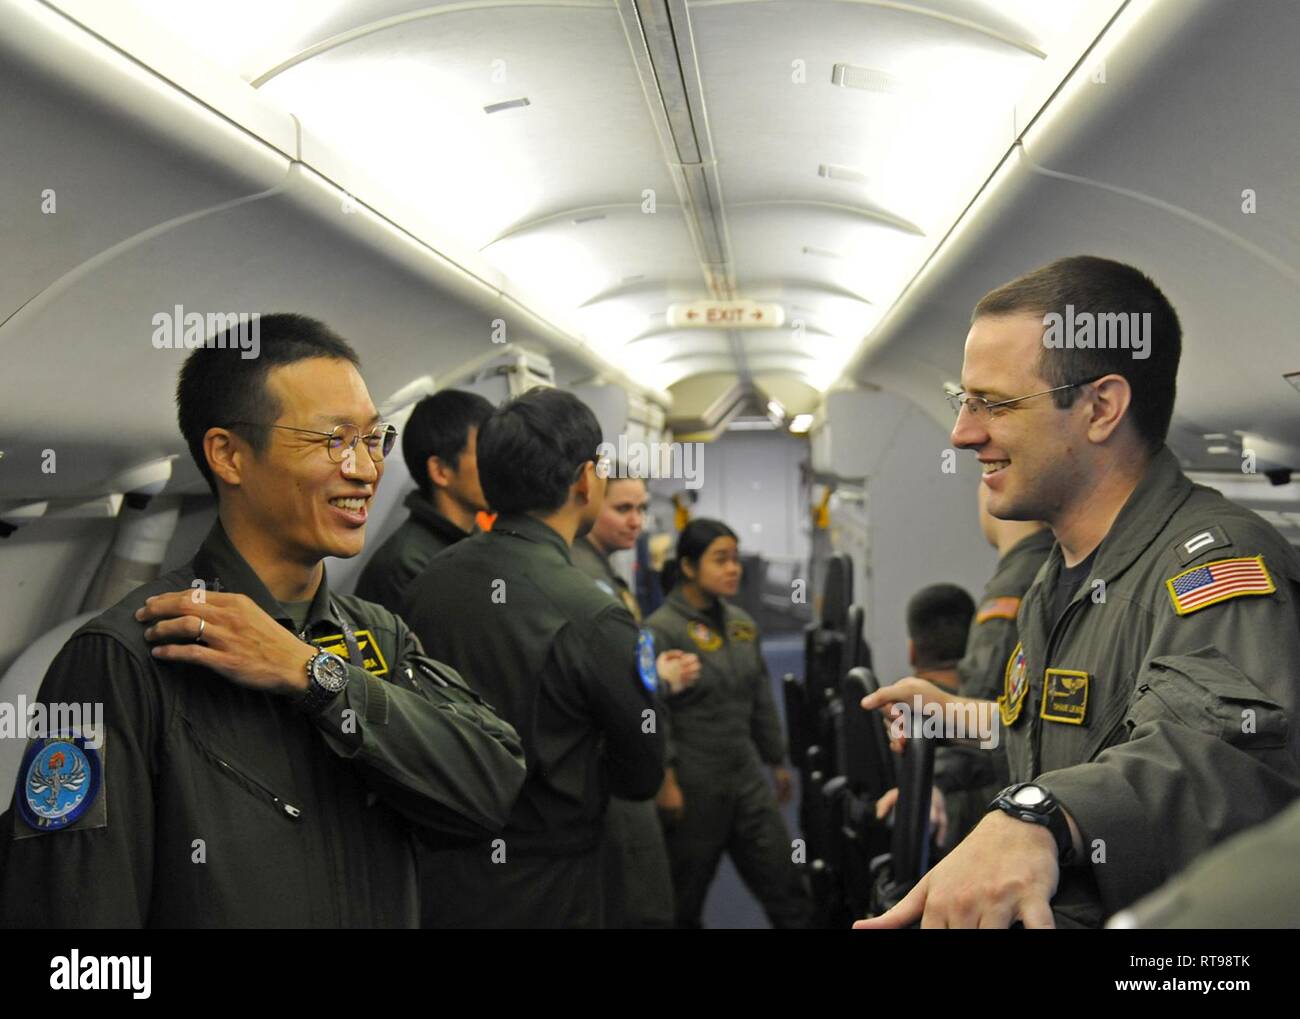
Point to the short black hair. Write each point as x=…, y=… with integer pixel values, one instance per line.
x=1101, y=287
x=219, y=384
x=439, y=426
x=530, y=449
x=938, y=621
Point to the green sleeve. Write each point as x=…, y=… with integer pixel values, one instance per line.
x=1211, y=746
x=98, y=872
x=427, y=744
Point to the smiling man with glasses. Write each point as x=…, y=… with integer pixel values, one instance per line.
x=273, y=749
x=1147, y=710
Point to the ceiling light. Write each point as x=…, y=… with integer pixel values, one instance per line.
x=868, y=78
x=509, y=104
x=834, y=171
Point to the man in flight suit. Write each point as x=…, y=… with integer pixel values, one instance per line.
x=1146, y=708
x=559, y=658
x=439, y=446
x=968, y=777
x=269, y=747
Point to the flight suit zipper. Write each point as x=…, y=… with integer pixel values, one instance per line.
x=246, y=781
x=1036, y=722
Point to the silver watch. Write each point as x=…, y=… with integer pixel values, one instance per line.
x=327, y=676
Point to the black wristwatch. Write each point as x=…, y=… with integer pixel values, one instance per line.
x=1033, y=804
x=327, y=676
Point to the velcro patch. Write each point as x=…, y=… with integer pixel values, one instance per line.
x=61, y=786
x=738, y=629
x=1193, y=546
x=1015, y=684
x=372, y=659
x=1211, y=583
x=1065, y=696
x=645, y=661
x=704, y=638
x=997, y=608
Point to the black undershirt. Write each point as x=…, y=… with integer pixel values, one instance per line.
x=1067, y=583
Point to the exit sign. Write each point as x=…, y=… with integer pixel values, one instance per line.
x=725, y=315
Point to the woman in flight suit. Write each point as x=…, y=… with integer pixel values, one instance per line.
x=722, y=731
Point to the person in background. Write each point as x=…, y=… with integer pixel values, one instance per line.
x=938, y=621
x=723, y=730
x=638, y=883
x=439, y=445
x=559, y=658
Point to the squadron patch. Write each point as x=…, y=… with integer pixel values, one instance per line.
x=372, y=659
x=1015, y=684
x=997, y=608
x=1065, y=696
x=645, y=661
x=739, y=629
x=60, y=786
x=1211, y=583
x=704, y=638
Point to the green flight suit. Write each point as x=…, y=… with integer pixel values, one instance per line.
x=1157, y=707
x=1248, y=882
x=406, y=553
x=559, y=658
x=970, y=777
x=723, y=729
x=638, y=882
x=210, y=804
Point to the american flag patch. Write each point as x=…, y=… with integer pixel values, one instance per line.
x=1218, y=581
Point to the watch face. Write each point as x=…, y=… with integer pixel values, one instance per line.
x=329, y=671
x=1029, y=796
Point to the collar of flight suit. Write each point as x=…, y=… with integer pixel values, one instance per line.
x=713, y=617
x=521, y=525
x=218, y=562
x=422, y=511
x=1150, y=506
x=1157, y=497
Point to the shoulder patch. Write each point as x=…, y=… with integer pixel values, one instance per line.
x=60, y=786
x=645, y=661
x=997, y=608
x=1211, y=583
x=1194, y=545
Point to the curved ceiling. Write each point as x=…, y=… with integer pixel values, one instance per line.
x=608, y=157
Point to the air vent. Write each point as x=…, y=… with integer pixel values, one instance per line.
x=509, y=104
x=833, y=171
x=865, y=78
x=821, y=252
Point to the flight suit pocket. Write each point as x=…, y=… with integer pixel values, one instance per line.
x=242, y=777
x=1206, y=692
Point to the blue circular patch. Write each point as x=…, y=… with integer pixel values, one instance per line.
x=645, y=661
x=61, y=778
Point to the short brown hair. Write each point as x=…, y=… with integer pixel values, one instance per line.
x=1101, y=287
